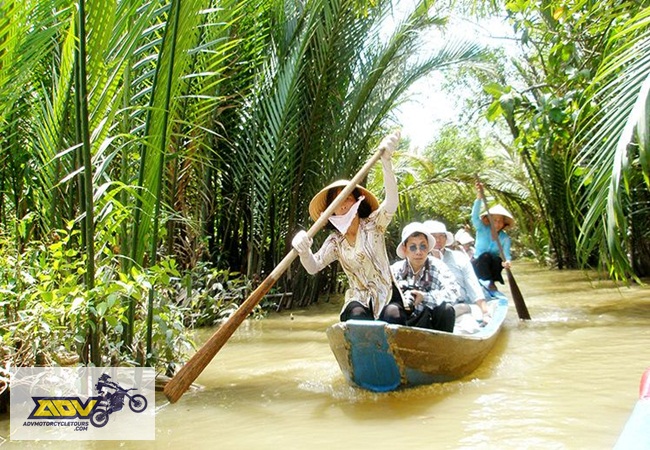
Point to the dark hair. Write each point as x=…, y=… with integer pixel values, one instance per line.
x=414, y=235
x=364, y=208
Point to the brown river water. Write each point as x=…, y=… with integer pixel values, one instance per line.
x=567, y=379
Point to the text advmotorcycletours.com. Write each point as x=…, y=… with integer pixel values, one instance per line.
x=79, y=424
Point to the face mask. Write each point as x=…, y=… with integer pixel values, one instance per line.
x=342, y=223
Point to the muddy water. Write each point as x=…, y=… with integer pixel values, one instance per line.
x=568, y=379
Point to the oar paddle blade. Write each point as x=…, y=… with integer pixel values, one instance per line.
x=520, y=305
x=193, y=368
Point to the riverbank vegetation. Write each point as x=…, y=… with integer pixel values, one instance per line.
x=156, y=158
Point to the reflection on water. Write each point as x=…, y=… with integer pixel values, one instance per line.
x=568, y=379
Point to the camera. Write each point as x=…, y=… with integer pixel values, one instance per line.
x=407, y=293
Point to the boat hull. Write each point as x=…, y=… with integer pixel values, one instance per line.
x=635, y=434
x=381, y=357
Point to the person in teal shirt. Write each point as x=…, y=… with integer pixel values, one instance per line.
x=487, y=262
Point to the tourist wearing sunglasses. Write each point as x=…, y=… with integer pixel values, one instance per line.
x=428, y=286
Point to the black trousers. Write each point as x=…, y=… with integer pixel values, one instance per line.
x=488, y=267
x=393, y=312
x=441, y=317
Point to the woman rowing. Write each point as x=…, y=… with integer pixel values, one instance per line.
x=358, y=243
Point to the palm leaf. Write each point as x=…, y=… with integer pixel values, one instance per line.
x=172, y=63
x=30, y=37
x=607, y=158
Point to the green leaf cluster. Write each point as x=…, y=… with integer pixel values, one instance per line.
x=575, y=108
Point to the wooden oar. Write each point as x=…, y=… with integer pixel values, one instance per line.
x=188, y=373
x=518, y=299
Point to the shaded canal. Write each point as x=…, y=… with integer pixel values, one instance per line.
x=568, y=379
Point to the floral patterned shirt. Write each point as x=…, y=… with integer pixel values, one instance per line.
x=365, y=263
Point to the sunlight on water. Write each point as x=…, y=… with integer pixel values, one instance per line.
x=568, y=379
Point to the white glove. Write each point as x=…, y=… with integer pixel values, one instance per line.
x=302, y=242
x=389, y=144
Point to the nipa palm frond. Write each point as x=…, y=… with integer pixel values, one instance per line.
x=614, y=143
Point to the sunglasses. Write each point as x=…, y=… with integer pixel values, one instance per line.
x=414, y=248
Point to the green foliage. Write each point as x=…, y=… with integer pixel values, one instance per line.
x=613, y=162
x=561, y=45
x=576, y=112
x=210, y=295
x=47, y=310
x=439, y=185
x=161, y=134
x=319, y=103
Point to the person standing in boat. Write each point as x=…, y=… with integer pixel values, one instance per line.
x=487, y=257
x=460, y=265
x=358, y=243
x=428, y=286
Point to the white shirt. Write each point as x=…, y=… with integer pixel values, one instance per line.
x=461, y=266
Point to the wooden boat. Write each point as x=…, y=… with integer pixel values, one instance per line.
x=381, y=357
x=635, y=434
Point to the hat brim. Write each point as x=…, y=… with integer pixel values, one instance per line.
x=319, y=204
x=435, y=227
x=400, y=250
x=450, y=237
x=498, y=210
x=463, y=240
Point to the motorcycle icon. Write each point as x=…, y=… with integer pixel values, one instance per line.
x=114, y=401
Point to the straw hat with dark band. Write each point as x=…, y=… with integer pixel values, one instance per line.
x=319, y=204
x=508, y=220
